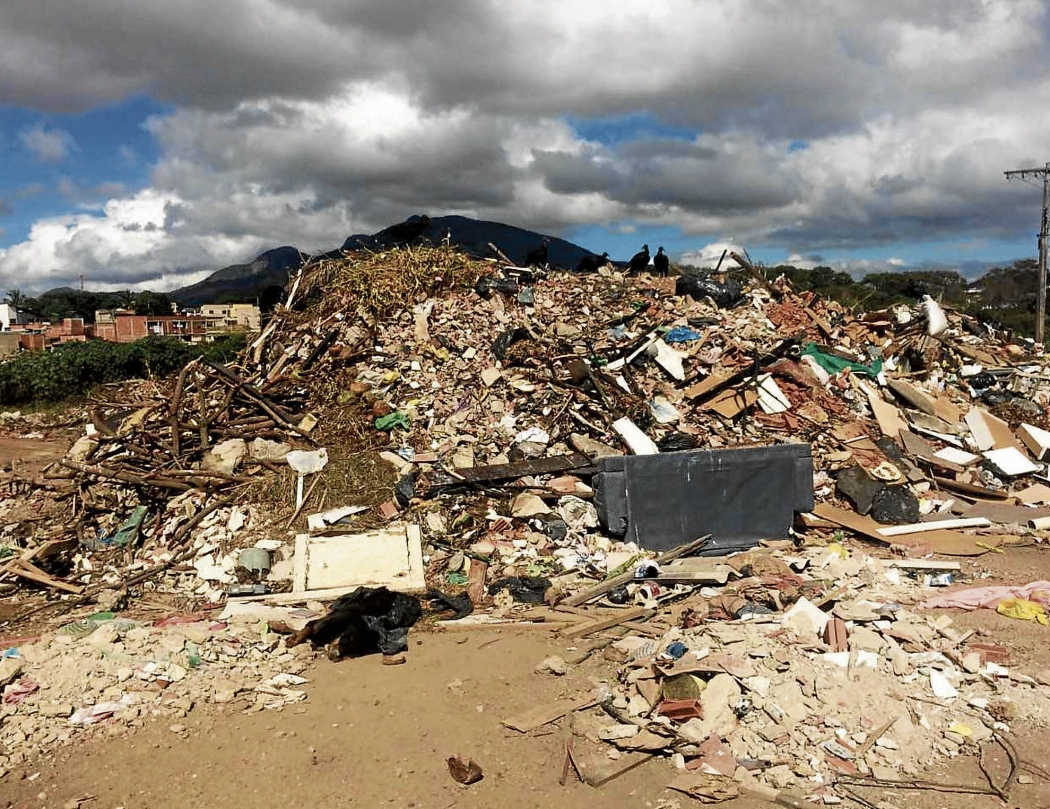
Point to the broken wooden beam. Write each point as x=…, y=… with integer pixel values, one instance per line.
x=508, y=471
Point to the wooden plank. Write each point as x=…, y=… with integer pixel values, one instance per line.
x=542, y=715
x=934, y=525
x=949, y=543
x=1005, y=514
x=923, y=450
x=708, y=383
x=630, y=614
x=388, y=557
x=970, y=489
x=27, y=570
x=925, y=564
x=476, y=581
x=599, y=776
x=538, y=466
x=1036, y=439
x=912, y=396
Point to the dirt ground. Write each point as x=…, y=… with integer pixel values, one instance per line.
x=28, y=456
x=372, y=735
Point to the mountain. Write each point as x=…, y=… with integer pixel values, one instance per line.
x=473, y=237
x=243, y=282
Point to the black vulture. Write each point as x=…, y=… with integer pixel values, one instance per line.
x=592, y=263
x=661, y=263
x=537, y=257
x=639, y=261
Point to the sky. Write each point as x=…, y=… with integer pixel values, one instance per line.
x=144, y=145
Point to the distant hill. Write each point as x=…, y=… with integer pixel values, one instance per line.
x=473, y=236
x=261, y=279
x=243, y=282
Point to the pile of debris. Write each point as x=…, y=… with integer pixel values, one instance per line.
x=854, y=684
x=500, y=438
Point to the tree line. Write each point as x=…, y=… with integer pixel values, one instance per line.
x=57, y=304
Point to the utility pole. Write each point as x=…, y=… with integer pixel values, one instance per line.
x=1044, y=232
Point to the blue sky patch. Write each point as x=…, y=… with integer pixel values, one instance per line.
x=105, y=150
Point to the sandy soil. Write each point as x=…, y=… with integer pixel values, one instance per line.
x=371, y=735
x=28, y=456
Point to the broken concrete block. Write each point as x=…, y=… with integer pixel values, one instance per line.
x=805, y=619
x=528, y=505
x=225, y=457
x=718, y=701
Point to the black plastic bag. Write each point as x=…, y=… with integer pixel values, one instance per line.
x=725, y=295
x=676, y=442
x=366, y=621
x=524, y=589
x=506, y=339
x=406, y=489
x=486, y=286
x=461, y=605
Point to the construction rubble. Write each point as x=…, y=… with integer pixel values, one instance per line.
x=744, y=502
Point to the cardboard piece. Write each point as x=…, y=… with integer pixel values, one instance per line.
x=889, y=417
x=1036, y=494
x=990, y=432
x=1036, y=439
x=731, y=403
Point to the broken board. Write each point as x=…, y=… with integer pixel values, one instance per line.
x=330, y=566
x=943, y=541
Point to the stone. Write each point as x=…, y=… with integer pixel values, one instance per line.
x=553, y=665
x=614, y=732
x=858, y=487
x=717, y=701
x=591, y=448
x=10, y=669
x=805, y=619
x=971, y=662
x=528, y=505
x=780, y=776
x=895, y=505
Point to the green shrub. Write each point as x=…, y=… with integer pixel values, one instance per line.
x=72, y=370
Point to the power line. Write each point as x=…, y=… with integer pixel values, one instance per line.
x=1044, y=231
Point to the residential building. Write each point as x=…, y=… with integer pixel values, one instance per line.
x=10, y=316
x=229, y=317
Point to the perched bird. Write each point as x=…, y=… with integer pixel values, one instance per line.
x=639, y=261
x=661, y=263
x=537, y=257
x=592, y=263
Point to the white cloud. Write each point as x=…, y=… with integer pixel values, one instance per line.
x=48, y=145
x=354, y=116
